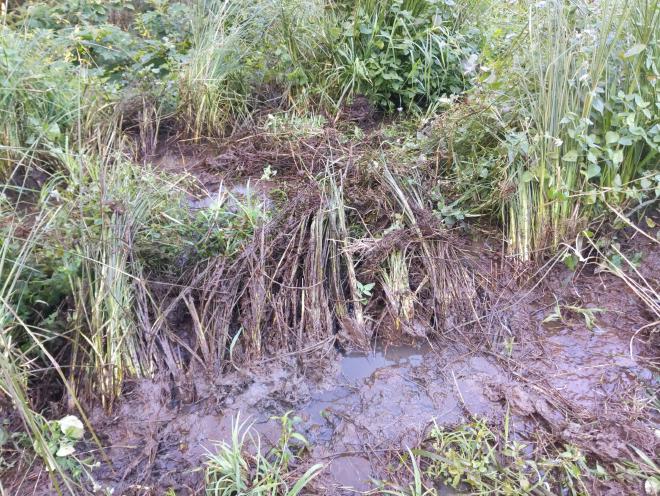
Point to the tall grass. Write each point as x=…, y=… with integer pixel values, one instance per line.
x=105, y=339
x=19, y=343
x=588, y=88
x=41, y=98
x=215, y=88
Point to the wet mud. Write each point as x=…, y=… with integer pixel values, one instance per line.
x=359, y=409
x=561, y=380
x=558, y=380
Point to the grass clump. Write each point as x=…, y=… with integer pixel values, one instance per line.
x=564, y=120
x=474, y=458
x=39, y=99
x=240, y=468
x=401, y=55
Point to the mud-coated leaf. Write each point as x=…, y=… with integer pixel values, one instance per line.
x=652, y=486
x=72, y=427
x=65, y=449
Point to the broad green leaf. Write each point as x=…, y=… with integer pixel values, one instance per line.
x=652, y=486
x=593, y=171
x=611, y=137
x=570, y=156
x=527, y=177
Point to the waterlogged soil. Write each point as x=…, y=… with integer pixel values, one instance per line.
x=368, y=405
x=560, y=381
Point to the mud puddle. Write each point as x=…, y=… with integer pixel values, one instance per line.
x=359, y=410
x=367, y=408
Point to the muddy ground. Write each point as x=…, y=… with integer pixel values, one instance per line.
x=562, y=381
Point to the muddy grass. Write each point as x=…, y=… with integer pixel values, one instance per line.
x=363, y=402
x=560, y=381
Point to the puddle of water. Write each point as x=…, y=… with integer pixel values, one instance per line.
x=362, y=382
x=253, y=193
x=357, y=366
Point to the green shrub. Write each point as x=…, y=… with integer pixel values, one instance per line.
x=401, y=54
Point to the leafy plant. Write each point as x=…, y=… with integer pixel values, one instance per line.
x=476, y=459
x=233, y=471
x=589, y=314
x=365, y=291
x=402, y=55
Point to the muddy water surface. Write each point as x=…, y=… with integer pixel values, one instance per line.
x=369, y=406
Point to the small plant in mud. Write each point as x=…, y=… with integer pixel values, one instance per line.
x=61, y=437
x=468, y=457
x=268, y=173
x=365, y=291
x=475, y=459
x=240, y=468
x=560, y=314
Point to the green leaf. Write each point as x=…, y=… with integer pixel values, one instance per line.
x=635, y=50
x=593, y=171
x=598, y=104
x=527, y=177
x=305, y=479
x=570, y=156
x=611, y=137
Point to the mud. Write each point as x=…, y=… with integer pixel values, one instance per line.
x=562, y=379
x=368, y=405
x=560, y=382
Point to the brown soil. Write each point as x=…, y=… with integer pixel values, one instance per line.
x=563, y=383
